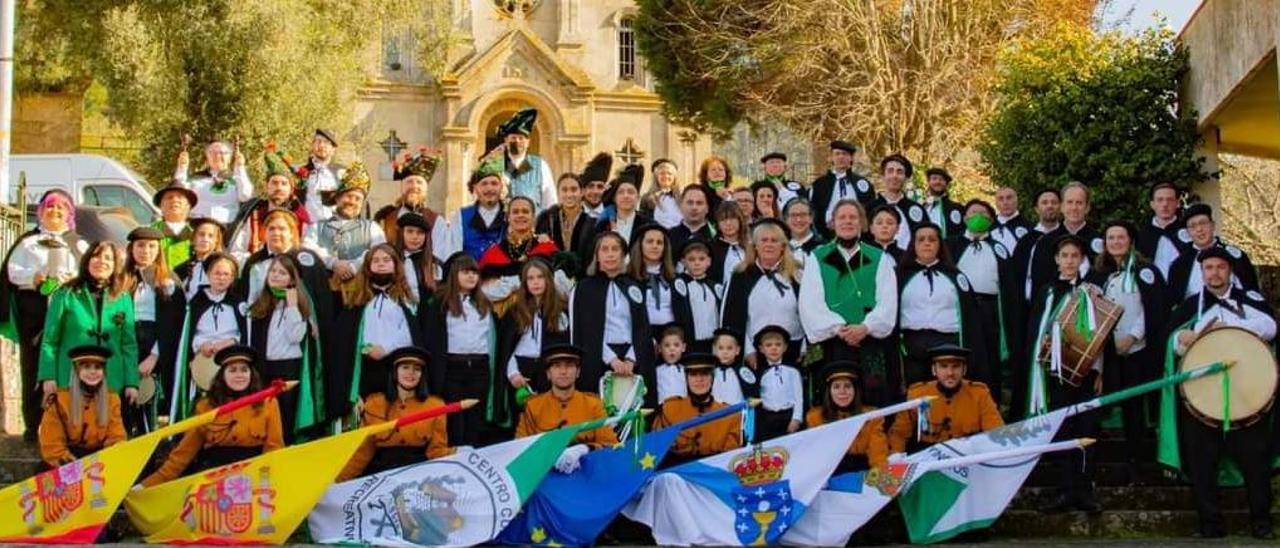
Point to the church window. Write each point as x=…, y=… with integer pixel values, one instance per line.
x=627, y=49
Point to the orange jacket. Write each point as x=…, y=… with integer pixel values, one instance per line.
x=717, y=436
x=870, y=441
x=58, y=435
x=430, y=432
x=251, y=426
x=545, y=412
x=968, y=411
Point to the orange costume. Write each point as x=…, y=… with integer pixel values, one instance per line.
x=62, y=442
x=870, y=441
x=546, y=412
x=422, y=440
x=244, y=433
x=966, y=411
x=714, y=437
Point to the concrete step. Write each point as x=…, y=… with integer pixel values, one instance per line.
x=1117, y=474
x=1112, y=524
x=1138, y=498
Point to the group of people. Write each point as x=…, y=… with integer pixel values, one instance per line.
x=555, y=300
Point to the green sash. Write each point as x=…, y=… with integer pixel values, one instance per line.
x=851, y=294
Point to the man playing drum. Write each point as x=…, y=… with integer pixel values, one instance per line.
x=1221, y=304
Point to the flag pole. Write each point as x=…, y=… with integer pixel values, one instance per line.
x=978, y=458
x=1144, y=388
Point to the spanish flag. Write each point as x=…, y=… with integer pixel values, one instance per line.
x=255, y=501
x=72, y=503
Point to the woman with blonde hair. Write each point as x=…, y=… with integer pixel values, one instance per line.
x=662, y=201
x=765, y=290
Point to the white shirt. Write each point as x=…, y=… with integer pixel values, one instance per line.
x=725, y=386
x=666, y=210
x=1166, y=251
x=530, y=343
x=981, y=264
x=797, y=248
x=32, y=257
x=220, y=206
x=821, y=323
x=411, y=272
x=781, y=389
x=925, y=306
x=1252, y=319
x=1133, y=321
x=670, y=381
x=593, y=212
x=704, y=304
x=197, y=279
x=144, y=302
x=468, y=333
x=217, y=323
x=660, y=310
x=617, y=323
x=767, y=306
x=732, y=256
x=321, y=178
x=845, y=187
x=903, y=238
x=385, y=324
x=1007, y=235
x=258, y=277
x=287, y=330
x=1031, y=259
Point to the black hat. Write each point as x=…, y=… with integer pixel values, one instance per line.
x=775, y=156
x=633, y=173
x=1214, y=252
x=195, y=223
x=89, y=352
x=698, y=361
x=884, y=208
x=725, y=331
x=1068, y=239
x=693, y=244
x=941, y=172
x=145, y=233
x=327, y=135
x=637, y=234
x=1195, y=209
x=767, y=330
x=841, y=369
x=895, y=157
x=597, y=169
x=843, y=145
x=233, y=353
x=562, y=351
x=411, y=354
x=948, y=351
x=769, y=221
x=175, y=186
x=660, y=161
x=414, y=220
x=521, y=123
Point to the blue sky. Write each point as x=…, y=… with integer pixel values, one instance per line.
x=1176, y=12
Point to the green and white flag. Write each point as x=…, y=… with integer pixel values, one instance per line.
x=460, y=500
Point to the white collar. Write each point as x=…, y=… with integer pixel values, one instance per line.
x=1002, y=219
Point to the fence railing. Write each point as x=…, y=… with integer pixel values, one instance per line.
x=13, y=222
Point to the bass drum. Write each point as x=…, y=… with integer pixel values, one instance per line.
x=1252, y=378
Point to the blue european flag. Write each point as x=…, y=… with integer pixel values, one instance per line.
x=573, y=509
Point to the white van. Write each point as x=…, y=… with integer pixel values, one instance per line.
x=93, y=180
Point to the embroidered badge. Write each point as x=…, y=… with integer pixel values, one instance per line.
x=305, y=259
x=1096, y=245
x=1147, y=276
x=955, y=217
x=1020, y=232
x=1234, y=252
x=682, y=288
x=863, y=185
x=636, y=295
x=1001, y=252
x=915, y=214
x=747, y=375
x=1253, y=294
x=1184, y=236
x=962, y=281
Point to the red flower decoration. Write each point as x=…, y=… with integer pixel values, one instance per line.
x=303, y=172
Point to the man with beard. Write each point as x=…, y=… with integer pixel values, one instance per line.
x=175, y=202
x=1075, y=210
x=841, y=183
x=529, y=174
x=895, y=170
x=320, y=174
x=221, y=186
x=249, y=231
x=414, y=174
x=482, y=224
x=1166, y=236
x=942, y=210
x=342, y=240
x=1010, y=225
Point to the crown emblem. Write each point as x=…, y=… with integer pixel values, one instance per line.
x=760, y=466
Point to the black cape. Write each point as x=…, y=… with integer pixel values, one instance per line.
x=823, y=192
x=1180, y=271
x=588, y=307
x=971, y=330
x=1149, y=237
x=313, y=274
x=953, y=217
x=342, y=347
x=583, y=235
x=740, y=286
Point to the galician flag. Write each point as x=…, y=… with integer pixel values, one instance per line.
x=460, y=500
x=955, y=499
x=72, y=503
x=748, y=496
x=261, y=500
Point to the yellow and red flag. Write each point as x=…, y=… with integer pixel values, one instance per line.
x=72, y=503
x=261, y=500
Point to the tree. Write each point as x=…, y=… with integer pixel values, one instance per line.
x=1095, y=108
x=892, y=75
x=262, y=70
x=1250, y=213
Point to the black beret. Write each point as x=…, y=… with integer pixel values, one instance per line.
x=693, y=244
x=1214, y=252
x=895, y=157
x=948, y=351
x=412, y=354
x=941, y=172
x=843, y=145
x=774, y=156
x=414, y=220
x=89, y=352
x=727, y=332
x=145, y=233
x=237, y=352
x=767, y=330
x=1198, y=209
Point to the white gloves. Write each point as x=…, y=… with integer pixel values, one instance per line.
x=563, y=284
x=500, y=288
x=897, y=457
x=569, y=459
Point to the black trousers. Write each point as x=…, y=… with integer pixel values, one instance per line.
x=771, y=424
x=1202, y=446
x=991, y=372
x=882, y=374
x=916, y=365
x=31, y=307
x=466, y=376
x=285, y=370
x=1076, y=477
x=1123, y=372
x=135, y=416
x=533, y=370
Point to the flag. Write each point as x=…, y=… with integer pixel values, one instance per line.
x=941, y=505
x=752, y=495
x=261, y=500
x=846, y=503
x=71, y=504
x=573, y=509
x=460, y=500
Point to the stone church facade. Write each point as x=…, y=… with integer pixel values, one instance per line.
x=574, y=60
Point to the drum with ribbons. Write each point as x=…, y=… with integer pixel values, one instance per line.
x=1244, y=393
x=1079, y=333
